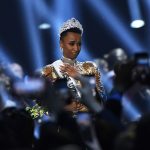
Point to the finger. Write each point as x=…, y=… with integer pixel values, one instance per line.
x=62, y=65
x=67, y=66
x=62, y=69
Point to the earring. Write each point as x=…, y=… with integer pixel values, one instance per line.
x=61, y=49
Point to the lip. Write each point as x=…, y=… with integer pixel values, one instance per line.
x=75, y=53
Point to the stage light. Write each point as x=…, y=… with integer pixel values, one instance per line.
x=116, y=25
x=137, y=23
x=136, y=17
x=129, y=109
x=4, y=56
x=44, y=26
x=36, y=55
x=57, y=20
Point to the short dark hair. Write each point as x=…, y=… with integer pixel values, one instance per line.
x=75, y=30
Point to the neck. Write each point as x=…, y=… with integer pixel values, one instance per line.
x=68, y=60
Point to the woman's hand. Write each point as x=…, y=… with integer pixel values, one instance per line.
x=69, y=70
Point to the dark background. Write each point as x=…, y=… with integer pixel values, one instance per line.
x=98, y=37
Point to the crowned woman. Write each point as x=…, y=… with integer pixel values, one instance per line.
x=70, y=44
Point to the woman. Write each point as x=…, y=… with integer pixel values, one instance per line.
x=67, y=67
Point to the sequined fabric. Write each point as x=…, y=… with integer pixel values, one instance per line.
x=84, y=68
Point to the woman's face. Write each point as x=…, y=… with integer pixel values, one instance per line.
x=71, y=45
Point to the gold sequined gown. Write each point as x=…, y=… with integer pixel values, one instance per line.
x=87, y=68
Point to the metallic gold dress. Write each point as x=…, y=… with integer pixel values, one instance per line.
x=86, y=68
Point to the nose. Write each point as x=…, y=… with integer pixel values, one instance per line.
x=76, y=47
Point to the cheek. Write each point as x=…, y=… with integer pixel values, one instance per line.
x=66, y=51
x=67, y=48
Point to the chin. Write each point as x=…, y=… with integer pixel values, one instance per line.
x=73, y=58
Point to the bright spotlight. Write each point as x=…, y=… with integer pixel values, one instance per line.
x=136, y=17
x=105, y=12
x=44, y=26
x=137, y=23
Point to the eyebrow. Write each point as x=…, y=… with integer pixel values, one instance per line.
x=74, y=41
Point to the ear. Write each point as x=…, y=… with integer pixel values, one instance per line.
x=61, y=44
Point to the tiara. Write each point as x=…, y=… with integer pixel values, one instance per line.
x=69, y=24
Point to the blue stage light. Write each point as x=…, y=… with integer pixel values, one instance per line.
x=44, y=26
x=4, y=56
x=136, y=18
x=115, y=24
x=32, y=35
x=129, y=110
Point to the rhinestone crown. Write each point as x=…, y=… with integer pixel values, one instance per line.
x=69, y=24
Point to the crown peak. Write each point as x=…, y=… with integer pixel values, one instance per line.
x=70, y=24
